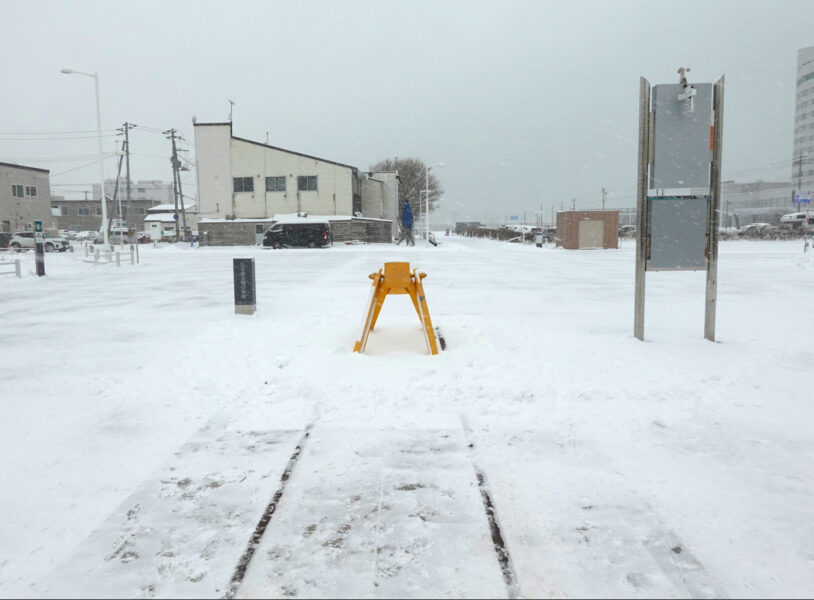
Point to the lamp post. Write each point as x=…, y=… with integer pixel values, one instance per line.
x=95, y=77
x=427, y=201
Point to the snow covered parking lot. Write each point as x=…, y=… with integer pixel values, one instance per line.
x=140, y=451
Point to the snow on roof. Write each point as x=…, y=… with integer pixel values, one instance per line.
x=160, y=217
x=168, y=207
x=293, y=218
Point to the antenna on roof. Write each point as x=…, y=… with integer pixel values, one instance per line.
x=231, y=106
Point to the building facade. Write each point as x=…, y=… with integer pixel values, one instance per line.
x=144, y=194
x=243, y=179
x=755, y=202
x=25, y=197
x=578, y=229
x=161, y=222
x=86, y=214
x=802, y=174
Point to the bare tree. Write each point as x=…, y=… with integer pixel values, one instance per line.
x=412, y=176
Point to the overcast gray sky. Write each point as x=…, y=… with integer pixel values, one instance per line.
x=527, y=103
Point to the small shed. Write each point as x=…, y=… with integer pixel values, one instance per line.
x=580, y=229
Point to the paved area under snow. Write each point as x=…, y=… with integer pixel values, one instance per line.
x=146, y=427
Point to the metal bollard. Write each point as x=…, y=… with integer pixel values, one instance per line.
x=96, y=256
x=86, y=250
x=17, y=269
x=132, y=255
x=118, y=259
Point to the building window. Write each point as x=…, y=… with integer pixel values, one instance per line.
x=141, y=190
x=63, y=211
x=275, y=184
x=98, y=211
x=124, y=212
x=83, y=212
x=17, y=191
x=243, y=184
x=140, y=210
x=31, y=190
x=307, y=183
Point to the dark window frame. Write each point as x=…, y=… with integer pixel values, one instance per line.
x=273, y=184
x=304, y=183
x=245, y=184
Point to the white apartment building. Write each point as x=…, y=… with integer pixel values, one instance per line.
x=802, y=173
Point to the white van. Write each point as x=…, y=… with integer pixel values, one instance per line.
x=798, y=219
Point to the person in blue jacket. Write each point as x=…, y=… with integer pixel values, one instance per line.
x=407, y=224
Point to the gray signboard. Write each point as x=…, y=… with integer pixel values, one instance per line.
x=678, y=191
x=682, y=149
x=245, y=299
x=678, y=233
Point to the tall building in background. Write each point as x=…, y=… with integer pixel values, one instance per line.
x=802, y=173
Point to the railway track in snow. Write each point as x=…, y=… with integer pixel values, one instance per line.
x=499, y=545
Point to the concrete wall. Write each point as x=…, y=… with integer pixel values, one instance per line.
x=229, y=233
x=242, y=233
x=373, y=193
x=19, y=214
x=568, y=227
x=363, y=230
x=390, y=207
x=213, y=167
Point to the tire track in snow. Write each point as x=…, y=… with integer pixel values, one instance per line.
x=262, y=524
x=504, y=558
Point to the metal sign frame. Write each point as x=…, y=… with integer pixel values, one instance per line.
x=644, y=206
x=39, y=249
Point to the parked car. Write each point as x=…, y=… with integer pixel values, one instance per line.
x=93, y=237
x=302, y=235
x=24, y=240
x=627, y=231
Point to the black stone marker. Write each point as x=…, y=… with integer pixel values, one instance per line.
x=245, y=286
x=39, y=249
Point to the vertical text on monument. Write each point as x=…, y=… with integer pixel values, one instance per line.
x=245, y=286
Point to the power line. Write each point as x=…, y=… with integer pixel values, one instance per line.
x=77, y=168
x=65, y=158
x=49, y=132
x=54, y=139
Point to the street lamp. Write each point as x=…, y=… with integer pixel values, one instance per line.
x=427, y=200
x=101, y=156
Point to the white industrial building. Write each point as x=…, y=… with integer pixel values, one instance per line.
x=246, y=181
x=802, y=173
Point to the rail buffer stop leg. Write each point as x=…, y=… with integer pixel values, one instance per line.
x=397, y=278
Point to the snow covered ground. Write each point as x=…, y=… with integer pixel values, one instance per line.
x=146, y=427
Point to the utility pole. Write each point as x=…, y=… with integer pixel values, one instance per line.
x=173, y=161
x=125, y=129
x=604, y=193
x=178, y=170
